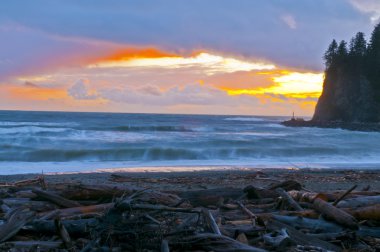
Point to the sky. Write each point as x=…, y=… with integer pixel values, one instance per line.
x=253, y=57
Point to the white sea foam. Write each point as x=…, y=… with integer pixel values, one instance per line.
x=245, y=119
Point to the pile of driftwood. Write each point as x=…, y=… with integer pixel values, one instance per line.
x=36, y=216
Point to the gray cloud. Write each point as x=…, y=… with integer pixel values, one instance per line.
x=247, y=28
x=79, y=91
x=188, y=94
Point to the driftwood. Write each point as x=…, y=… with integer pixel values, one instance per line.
x=335, y=214
x=210, y=197
x=313, y=225
x=211, y=221
x=30, y=245
x=75, y=211
x=40, y=180
x=279, y=240
x=213, y=242
x=366, y=213
x=111, y=217
x=248, y=212
x=300, y=238
x=287, y=185
x=344, y=195
x=16, y=221
x=84, y=191
x=288, y=199
x=73, y=227
x=359, y=202
x=165, y=246
x=61, y=201
x=64, y=235
x=259, y=193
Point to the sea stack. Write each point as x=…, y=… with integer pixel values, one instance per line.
x=351, y=89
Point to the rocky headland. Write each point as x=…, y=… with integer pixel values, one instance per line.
x=351, y=88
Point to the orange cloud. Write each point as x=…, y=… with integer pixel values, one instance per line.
x=287, y=83
x=135, y=53
x=36, y=93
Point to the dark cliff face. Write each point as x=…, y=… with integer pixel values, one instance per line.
x=351, y=89
x=347, y=97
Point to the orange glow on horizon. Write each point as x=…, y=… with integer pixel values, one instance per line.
x=37, y=93
x=289, y=84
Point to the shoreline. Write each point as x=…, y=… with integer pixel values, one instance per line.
x=313, y=179
x=54, y=168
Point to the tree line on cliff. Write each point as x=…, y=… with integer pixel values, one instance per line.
x=351, y=90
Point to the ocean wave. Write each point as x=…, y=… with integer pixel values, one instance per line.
x=41, y=124
x=31, y=130
x=168, y=153
x=163, y=128
x=245, y=119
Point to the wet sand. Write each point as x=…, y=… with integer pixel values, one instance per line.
x=196, y=178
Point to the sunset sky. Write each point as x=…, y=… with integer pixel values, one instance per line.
x=256, y=57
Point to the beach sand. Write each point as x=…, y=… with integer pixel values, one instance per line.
x=196, y=178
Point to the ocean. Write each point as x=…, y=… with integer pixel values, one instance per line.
x=35, y=142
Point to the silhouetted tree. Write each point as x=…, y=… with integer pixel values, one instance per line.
x=342, y=51
x=331, y=53
x=374, y=60
x=358, y=45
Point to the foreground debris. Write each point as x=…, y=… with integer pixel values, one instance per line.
x=283, y=216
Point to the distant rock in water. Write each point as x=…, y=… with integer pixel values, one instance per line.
x=351, y=88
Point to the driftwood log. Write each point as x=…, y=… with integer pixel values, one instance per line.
x=36, y=216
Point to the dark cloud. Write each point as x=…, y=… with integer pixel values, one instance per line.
x=30, y=84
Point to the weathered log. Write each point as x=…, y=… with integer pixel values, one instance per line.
x=30, y=245
x=344, y=195
x=334, y=213
x=64, y=235
x=365, y=213
x=25, y=194
x=359, y=202
x=248, y=212
x=212, y=242
x=33, y=205
x=73, y=227
x=262, y=206
x=289, y=199
x=287, y=185
x=278, y=239
x=82, y=191
x=40, y=180
x=50, y=196
x=259, y=193
x=209, y=197
x=240, y=222
x=368, y=231
x=334, y=236
x=314, y=225
x=211, y=221
x=126, y=206
x=18, y=218
x=75, y=211
x=303, y=196
x=165, y=246
x=300, y=238
x=157, y=197
x=247, y=229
